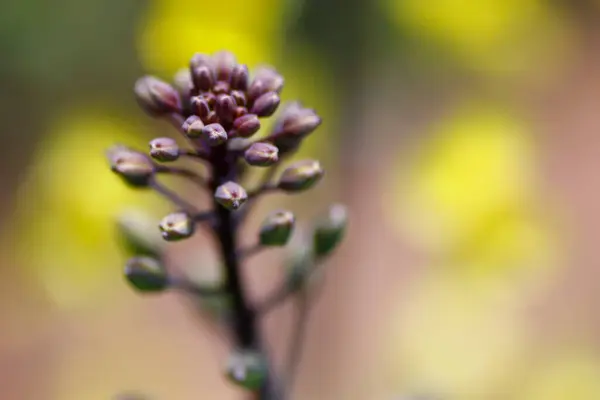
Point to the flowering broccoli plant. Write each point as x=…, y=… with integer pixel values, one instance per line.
x=218, y=108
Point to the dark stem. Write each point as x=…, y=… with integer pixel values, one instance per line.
x=244, y=319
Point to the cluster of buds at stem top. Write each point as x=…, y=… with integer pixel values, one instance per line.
x=216, y=105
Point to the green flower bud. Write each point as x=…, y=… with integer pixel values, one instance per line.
x=146, y=274
x=214, y=134
x=137, y=234
x=134, y=167
x=176, y=226
x=330, y=230
x=300, y=176
x=247, y=369
x=164, y=149
x=231, y=195
x=266, y=104
x=277, y=228
x=261, y=155
x=156, y=97
x=246, y=125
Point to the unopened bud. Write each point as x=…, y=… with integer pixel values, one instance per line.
x=231, y=195
x=220, y=87
x=156, y=97
x=225, y=107
x=182, y=81
x=134, y=167
x=266, y=104
x=239, y=97
x=255, y=90
x=330, y=230
x=146, y=274
x=296, y=120
x=200, y=106
x=269, y=78
x=211, y=118
x=200, y=59
x=214, y=134
x=224, y=62
x=137, y=234
x=210, y=98
x=202, y=77
x=261, y=155
x=300, y=176
x=176, y=226
x=246, y=125
x=247, y=369
x=239, y=77
x=164, y=149
x=193, y=126
x=277, y=228
x=240, y=111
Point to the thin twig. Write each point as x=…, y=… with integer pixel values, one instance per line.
x=194, y=155
x=173, y=197
x=185, y=173
x=251, y=250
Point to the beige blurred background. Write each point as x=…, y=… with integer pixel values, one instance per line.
x=463, y=135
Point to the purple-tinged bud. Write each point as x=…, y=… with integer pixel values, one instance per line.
x=256, y=90
x=270, y=79
x=192, y=126
x=240, y=112
x=182, y=81
x=134, y=167
x=214, y=134
x=210, y=98
x=287, y=144
x=225, y=107
x=266, y=104
x=146, y=274
x=231, y=195
x=164, y=149
x=239, y=97
x=176, y=226
x=247, y=369
x=246, y=125
x=224, y=62
x=156, y=97
x=261, y=155
x=296, y=120
x=301, y=175
x=277, y=228
x=220, y=87
x=329, y=230
x=200, y=106
x=202, y=78
x=199, y=60
x=211, y=118
x=240, y=77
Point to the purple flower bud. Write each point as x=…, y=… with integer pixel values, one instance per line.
x=200, y=59
x=246, y=125
x=210, y=98
x=240, y=112
x=296, y=120
x=211, y=118
x=200, y=106
x=192, y=126
x=270, y=80
x=176, y=226
x=266, y=104
x=224, y=62
x=164, y=149
x=134, y=167
x=261, y=155
x=239, y=77
x=156, y=97
x=256, y=90
x=301, y=175
x=231, y=195
x=225, y=107
x=214, y=134
x=277, y=228
x=202, y=78
x=239, y=97
x=221, y=87
x=182, y=81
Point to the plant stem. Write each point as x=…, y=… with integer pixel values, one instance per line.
x=244, y=323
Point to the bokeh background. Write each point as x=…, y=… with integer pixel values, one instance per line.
x=463, y=135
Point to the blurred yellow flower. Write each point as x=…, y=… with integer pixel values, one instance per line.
x=66, y=208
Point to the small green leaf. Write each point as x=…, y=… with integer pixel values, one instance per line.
x=146, y=274
x=247, y=369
